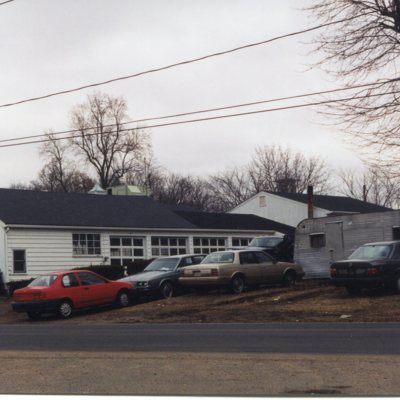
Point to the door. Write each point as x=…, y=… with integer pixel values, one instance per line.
x=334, y=240
x=250, y=267
x=95, y=290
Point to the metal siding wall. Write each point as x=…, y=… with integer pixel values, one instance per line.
x=358, y=229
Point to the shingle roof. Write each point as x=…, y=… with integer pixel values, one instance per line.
x=228, y=221
x=335, y=203
x=75, y=209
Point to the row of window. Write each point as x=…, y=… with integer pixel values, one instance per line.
x=125, y=249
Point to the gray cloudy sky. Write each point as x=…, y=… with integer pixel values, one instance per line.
x=51, y=45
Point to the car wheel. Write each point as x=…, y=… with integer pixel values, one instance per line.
x=167, y=290
x=397, y=285
x=237, y=284
x=64, y=309
x=353, y=290
x=123, y=299
x=34, y=315
x=289, y=279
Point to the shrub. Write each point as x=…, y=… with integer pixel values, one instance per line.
x=112, y=272
x=137, y=266
x=14, y=285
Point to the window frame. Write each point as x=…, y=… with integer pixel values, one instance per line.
x=83, y=251
x=317, y=240
x=24, y=261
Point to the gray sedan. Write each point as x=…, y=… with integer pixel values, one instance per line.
x=160, y=277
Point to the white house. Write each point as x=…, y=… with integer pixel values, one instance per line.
x=43, y=232
x=291, y=208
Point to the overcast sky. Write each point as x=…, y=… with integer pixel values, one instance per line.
x=51, y=45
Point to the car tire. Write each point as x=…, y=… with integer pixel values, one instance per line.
x=289, y=279
x=237, y=284
x=397, y=285
x=64, y=309
x=33, y=315
x=167, y=290
x=353, y=290
x=123, y=299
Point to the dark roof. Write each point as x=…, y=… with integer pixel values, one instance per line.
x=335, y=203
x=76, y=209
x=204, y=220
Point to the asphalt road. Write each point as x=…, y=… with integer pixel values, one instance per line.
x=305, y=338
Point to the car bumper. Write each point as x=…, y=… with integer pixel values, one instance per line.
x=364, y=282
x=42, y=306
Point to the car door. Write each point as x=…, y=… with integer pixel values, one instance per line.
x=271, y=270
x=96, y=290
x=72, y=289
x=251, y=268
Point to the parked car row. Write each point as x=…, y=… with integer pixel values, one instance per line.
x=62, y=292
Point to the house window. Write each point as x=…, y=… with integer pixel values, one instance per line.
x=240, y=242
x=85, y=244
x=317, y=240
x=396, y=232
x=206, y=245
x=19, y=261
x=263, y=201
x=168, y=246
x=126, y=249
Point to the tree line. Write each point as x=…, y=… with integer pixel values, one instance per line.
x=103, y=150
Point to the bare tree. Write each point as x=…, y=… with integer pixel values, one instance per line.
x=104, y=142
x=229, y=188
x=277, y=169
x=374, y=185
x=365, y=47
x=59, y=173
x=273, y=169
x=183, y=190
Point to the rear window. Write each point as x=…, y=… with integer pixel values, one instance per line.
x=44, y=280
x=372, y=252
x=219, y=258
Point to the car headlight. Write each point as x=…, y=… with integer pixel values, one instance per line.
x=143, y=284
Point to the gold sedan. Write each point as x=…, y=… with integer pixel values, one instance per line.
x=237, y=269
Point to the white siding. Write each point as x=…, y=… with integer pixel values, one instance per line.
x=277, y=208
x=3, y=261
x=50, y=250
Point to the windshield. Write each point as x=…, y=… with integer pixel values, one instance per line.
x=44, y=280
x=217, y=258
x=265, y=242
x=371, y=252
x=163, y=264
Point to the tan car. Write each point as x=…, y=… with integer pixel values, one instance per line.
x=239, y=268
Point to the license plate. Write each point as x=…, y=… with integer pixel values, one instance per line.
x=196, y=273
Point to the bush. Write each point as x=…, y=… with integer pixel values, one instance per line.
x=112, y=272
x=137, y=266
x=14, y=285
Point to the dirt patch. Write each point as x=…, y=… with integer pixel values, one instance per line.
x=307, y=302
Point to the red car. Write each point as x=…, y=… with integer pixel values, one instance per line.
x=62, y=292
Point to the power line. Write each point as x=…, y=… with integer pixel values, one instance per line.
x=193, y=60
x=209, y=110
x=5, y=2
x=378, y=83
x=206, y=118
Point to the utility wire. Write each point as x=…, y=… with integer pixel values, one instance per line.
x=193, y=60
x=209, y=110
x=5, y=2
x=205, y=119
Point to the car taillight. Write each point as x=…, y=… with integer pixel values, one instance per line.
x=333, y=272
x=214, y=272
x=373, y=271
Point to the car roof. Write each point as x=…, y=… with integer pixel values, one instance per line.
x=382, y=243
x=182, y=255
x=67, y=271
